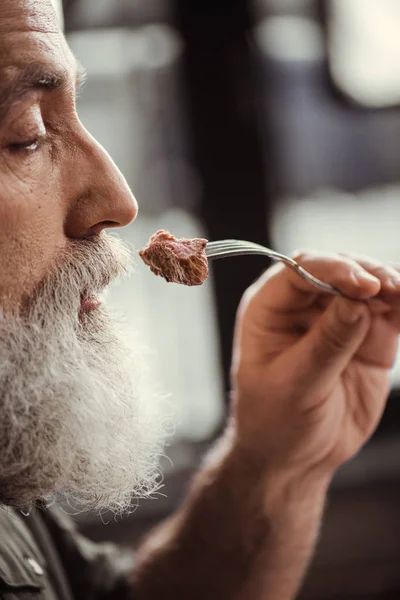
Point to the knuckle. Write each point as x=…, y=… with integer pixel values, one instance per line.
x=301, y=255
x=353, y=256
x=359, y=258
x=385, y=272
x=380, y=272
x=371, y=265
x=349, y=263
x=304, y=256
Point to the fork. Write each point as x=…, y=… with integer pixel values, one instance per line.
x=227, y=248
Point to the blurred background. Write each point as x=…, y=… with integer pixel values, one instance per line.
x=275, y=121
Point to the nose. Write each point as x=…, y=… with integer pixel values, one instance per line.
x=99, y=195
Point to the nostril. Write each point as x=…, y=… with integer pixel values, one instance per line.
x=98, y=228
x=109, y=224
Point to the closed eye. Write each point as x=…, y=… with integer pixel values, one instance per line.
x=26, y=145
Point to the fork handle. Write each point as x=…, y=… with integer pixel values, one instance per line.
x=324, y=287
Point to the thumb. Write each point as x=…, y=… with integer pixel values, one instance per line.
x=324, y=353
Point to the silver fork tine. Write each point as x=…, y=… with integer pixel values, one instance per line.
x=229, y=248
x=224, y=248
x=215, y=248
x=231, y=251
x=221, y=245
x=228, y=242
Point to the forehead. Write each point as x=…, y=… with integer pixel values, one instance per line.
x=30, y=33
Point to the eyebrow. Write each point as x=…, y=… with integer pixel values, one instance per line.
x=37, y=77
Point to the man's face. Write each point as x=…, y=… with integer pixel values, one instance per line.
x=57, y=183
x=72, y=415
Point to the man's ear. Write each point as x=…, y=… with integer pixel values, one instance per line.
x=59, y=10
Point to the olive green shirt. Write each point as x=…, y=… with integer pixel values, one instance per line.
x=44, y=557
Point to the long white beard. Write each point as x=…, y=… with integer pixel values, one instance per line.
x=77, y=418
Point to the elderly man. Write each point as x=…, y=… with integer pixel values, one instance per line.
x=310, y=374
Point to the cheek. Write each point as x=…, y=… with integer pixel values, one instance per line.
x=31, y=232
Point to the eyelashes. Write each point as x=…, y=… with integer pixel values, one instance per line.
x=30, y=145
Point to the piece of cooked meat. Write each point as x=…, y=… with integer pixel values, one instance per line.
x=177, y=260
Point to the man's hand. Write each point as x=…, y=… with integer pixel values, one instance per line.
x=310, y=381
x=311, y=371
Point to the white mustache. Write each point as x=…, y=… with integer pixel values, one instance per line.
x=85, y=268
x=77, y=416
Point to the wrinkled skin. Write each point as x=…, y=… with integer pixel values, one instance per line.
x=310, y=387
x=66, y=188
x=76, y=417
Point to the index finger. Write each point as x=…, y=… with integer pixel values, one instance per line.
x=280, y=288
